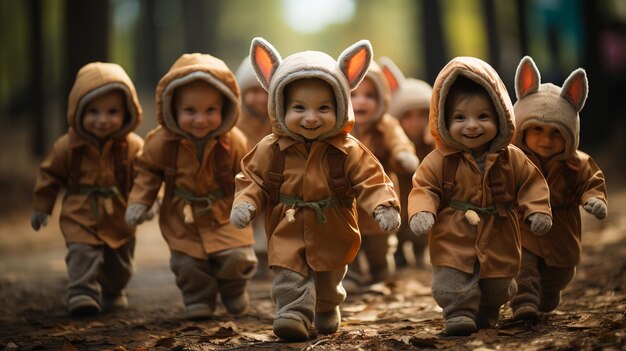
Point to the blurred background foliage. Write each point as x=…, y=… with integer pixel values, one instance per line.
x=45, y=42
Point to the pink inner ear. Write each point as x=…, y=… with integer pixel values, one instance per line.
x=264, y=62
x=575, y=91
x=391, y=79
x=356, y=64
x=527, y=79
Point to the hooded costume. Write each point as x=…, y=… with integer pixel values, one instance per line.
x=470, y=259
x=98, y=176
x=253, y=126
x=548, y=262
x=309, y=253
x=205, y=235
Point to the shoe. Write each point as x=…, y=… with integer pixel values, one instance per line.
x=290, y=329
x=526, y=312
x=461, y=325
x=487, y=317
x=116, y=302
x=198, y=311
x=549, y=301
x=236, y=304
x=83, y=305
x=328, y=322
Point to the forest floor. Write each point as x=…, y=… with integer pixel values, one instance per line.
x=400, y=315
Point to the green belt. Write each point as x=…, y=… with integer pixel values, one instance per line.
x=464, y=206
x=91, y=191
x=316, y=206
x=208, y=199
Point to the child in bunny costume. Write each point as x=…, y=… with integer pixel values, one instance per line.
x=410, y=104
x=548, y=131
x=308, y=176
x=465, y=193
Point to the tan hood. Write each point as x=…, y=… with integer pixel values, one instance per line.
x=481, y=73
x=342, y=75
x=191, y=67
x=406, y=93
x=245, y=76
x=548, y=103
x=375, y=73
x=95, y=79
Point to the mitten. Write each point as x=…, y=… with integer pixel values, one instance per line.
x=596, y=207
x=135, y=213
x=241, y=214
x=388, y=218
x=38, y=219
x=540, y=223
x=421, y=222
x=408, y=161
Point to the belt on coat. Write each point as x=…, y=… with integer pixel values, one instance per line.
x=209, y=199
x=316, y=206
x=93, y=192
x=464, y=206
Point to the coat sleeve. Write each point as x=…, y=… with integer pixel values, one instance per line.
x=371, y=184
x=593, y=182
x=533, y=194
x=249, y=181
x=396, y=140
x=54, y=173
x=149, y=171
x=426, y=194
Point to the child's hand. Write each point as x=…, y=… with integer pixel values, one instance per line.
x=241, y=214
x=408, y=161
x=38, y=219
x=388, y=218
x=421, y=222
x=540, y=223
x=135, y=213
x=596, y=207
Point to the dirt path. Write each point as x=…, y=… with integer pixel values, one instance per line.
x=398, y=316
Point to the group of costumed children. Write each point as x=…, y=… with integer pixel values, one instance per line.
x=305, y=171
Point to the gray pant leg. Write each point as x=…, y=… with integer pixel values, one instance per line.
x=379, y=251
x=294, y=295
x=233, y=268
x=117, y=269
x=330, y=293
x=553, y=280
x=458, y=293
x=194, y=278
x=528, y=282
x=495, y=292
x=84, y=264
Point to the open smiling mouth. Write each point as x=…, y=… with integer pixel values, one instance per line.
x=472, y=136
x=310, y=128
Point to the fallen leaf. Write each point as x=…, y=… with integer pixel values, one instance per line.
x=67, y=346
x=165, y=342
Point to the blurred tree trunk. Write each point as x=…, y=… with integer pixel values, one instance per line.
x=201, y=25
x=433, y=38
x=87, y=34
x=147, y=54
x=38, y=140
x=521, y=26
x=493, y=41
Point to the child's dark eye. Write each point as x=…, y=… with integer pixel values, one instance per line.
x=92, y=110
x=538, y=129
x=325, y=108
x=298, y=108
x=485, y=117
x=113, y=111
x=188, y=110
x=459, y=118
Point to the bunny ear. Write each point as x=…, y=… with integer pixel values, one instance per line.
x=392, y=73
x=354, y=62
x=575, y=89
x=265, y=60
x=527, y=78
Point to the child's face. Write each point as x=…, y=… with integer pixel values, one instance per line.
x=414, y=121
x=472, y=120
x=256, y=100
x=198, y=108
x=310, y=108
x=364, y=101
x=544, y=140
x=104, y=115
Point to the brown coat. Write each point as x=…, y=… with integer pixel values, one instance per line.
x=306, y=244
x=495, y=242
x=210, y=232
x=78, y=220
x=569, y=189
